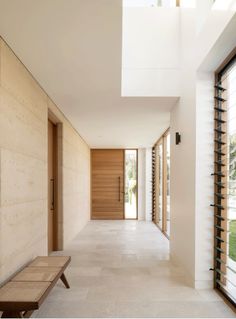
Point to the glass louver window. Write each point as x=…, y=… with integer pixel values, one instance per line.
x=225, y=181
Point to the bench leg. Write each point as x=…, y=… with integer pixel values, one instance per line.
x=12, y=314
x=64, y=280
x=27, y=314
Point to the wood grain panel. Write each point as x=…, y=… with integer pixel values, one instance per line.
x=107, y=187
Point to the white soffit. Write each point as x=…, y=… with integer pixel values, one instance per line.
x=73, y=49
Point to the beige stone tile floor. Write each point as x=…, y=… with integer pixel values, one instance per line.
x=122, y=269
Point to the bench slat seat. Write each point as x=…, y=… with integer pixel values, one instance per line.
x=27, y=290
x=51, y=261
x=37, y=274
x=23, y=291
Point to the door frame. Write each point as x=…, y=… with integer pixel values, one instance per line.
x=58, y=215
x=123, y=149
x=132, y=149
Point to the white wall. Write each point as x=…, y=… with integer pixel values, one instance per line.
x=182, y=191
x=192, y=230
x=214, y=27
x=204, y=220
x=150, y=58
x=203, y=9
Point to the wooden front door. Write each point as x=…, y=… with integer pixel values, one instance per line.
x=107, y=169
x=51, y=185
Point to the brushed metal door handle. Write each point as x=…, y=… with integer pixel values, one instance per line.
x=119, y=187
x=52, y=197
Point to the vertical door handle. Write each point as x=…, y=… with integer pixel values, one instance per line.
x=119, y=188
x=52, y=194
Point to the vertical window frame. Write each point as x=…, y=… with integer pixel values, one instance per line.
x=221, y=178
x=155, y=183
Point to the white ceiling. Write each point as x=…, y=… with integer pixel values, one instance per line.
x=73, y=49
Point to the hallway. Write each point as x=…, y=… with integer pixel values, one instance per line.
x=122, y=269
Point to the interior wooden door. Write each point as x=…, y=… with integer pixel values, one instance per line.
x=51, y=184
x=107, y=170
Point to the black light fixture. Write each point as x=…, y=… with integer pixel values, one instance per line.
x=177, y=138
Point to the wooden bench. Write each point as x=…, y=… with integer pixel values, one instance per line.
x=26, y=291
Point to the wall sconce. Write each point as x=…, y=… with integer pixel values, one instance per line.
x=177, y=138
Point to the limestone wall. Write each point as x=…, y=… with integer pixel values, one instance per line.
x=23, y=168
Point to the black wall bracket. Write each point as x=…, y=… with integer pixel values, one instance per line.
x=177, y=138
